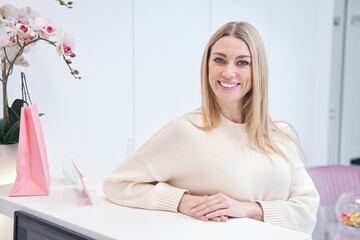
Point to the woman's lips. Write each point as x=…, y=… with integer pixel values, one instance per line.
x=228, y=85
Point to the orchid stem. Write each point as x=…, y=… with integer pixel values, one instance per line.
x=5, y=100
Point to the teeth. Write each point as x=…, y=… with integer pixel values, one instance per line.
x=228, y=85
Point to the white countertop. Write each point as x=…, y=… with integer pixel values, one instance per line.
x=106, y=220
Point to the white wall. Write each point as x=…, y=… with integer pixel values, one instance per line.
x=89, y=120
x=169, y=41
x=140, y=64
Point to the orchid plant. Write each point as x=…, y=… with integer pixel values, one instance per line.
x=21, y=29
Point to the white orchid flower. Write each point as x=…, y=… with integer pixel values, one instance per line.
x=65, y=44
x=45, y=25
x=7, y=40
x=24, y=32
x=22, y=16
x=2, y=29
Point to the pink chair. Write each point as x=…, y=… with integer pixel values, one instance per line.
x=332, y=181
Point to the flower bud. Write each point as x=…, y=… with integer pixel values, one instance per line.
x=68, y=61
x=72, y=55
x=70, y=3
x=62, y=2
x=76, y=72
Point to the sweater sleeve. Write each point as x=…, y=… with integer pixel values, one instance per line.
x=299, y=211
x=135, y=184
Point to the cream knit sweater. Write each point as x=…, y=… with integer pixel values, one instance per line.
x=182, y=158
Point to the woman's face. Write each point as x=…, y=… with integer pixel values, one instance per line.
x=230, y=75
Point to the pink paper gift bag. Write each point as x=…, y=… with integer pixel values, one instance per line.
x=33, y=177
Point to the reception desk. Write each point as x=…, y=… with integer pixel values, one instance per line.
x=105, y=220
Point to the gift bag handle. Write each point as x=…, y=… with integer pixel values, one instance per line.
x=24, y=90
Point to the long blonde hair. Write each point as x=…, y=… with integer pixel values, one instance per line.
x=261, y=129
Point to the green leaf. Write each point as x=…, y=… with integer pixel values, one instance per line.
x=5, y=126
x=12, y=136
x=15, y=110
x=1, y=130
x=13, y=116
x=17, y=104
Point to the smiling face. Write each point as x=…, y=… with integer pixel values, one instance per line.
x=230, y=74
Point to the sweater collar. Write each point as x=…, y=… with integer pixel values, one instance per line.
x=230, y=126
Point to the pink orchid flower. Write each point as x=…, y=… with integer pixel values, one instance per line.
x=31, y=35
x=17, y=28
x=65, y=44
x=6, y=39
x=45, y=25
x=25, y=32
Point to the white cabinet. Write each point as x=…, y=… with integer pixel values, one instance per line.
x=336, y=82
x=350, y=122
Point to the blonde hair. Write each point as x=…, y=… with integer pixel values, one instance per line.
x=261, y=129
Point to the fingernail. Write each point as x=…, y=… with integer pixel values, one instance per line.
x=197, y=214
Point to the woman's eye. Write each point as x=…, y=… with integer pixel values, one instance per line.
x=219, y=60
x=243, y=63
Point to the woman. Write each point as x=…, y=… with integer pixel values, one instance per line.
x=228, y=159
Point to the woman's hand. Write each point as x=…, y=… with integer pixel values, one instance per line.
x=188, y=202
x=219, y=205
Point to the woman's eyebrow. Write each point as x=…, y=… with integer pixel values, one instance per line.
x=220, y=54
x=243, y=56
x=224, y=55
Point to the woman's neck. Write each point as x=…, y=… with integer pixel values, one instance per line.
x=232, y=112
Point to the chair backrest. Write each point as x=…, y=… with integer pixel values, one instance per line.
x=332, y=181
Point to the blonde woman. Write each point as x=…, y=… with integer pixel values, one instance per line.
x=229, y=158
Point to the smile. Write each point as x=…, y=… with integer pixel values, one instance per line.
x=228, y=85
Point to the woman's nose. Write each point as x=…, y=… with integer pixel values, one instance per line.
x=229, y=71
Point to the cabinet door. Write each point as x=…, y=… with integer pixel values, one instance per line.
x=350, y=122
x=170, y=37
x=336, y=82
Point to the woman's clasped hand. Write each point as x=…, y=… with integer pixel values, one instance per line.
x=218, y=207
